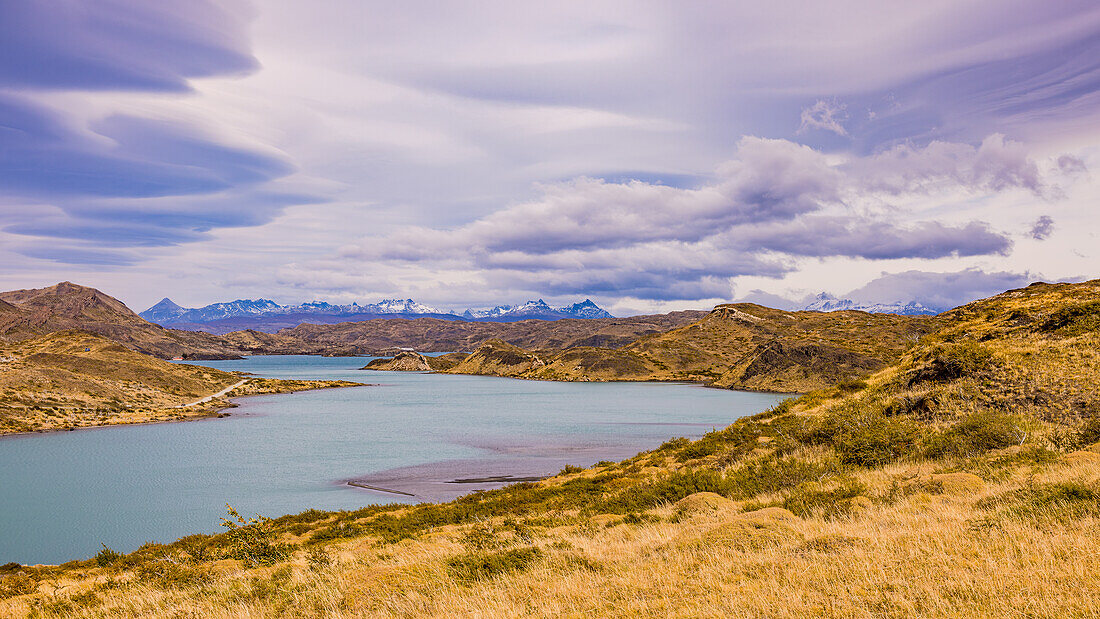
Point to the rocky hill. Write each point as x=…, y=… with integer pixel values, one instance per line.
x=29, y=313
x=963, y=479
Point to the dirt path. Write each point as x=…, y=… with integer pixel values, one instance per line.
x=211, y=397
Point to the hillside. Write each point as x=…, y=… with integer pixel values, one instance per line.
x=71, y=379
x=373, y=337
x=741, y=346
x=961, y=480
x=408, y=361
x=34, y=312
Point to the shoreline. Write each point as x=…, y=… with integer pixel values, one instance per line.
x=601, y=381
x=198, y=416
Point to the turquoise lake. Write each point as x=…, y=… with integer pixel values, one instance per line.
x=63, y=494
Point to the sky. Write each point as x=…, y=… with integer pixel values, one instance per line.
x=651, y=156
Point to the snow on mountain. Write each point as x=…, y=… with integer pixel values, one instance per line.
x=168, y=312
x=827, y=303
x=165, y=310
x=538, y=309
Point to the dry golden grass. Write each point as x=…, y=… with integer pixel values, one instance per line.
x=962, y=481
x=931, y=554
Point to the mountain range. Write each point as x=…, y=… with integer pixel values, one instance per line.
x=268, y=316
x=825, y=302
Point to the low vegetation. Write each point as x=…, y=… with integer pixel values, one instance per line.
x=73, y=379
x=963, y=480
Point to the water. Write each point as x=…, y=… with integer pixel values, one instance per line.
x=64, y=493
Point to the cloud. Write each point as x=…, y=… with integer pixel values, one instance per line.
x=121, y=179
x=1042, y=228
x=827, y=115
x=994, y=165
x=120, y=44
x=774, y=203
x=41, y=157
x=939, y=291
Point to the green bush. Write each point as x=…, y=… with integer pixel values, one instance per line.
x=977, y=434
x=667, y=489
x=1073, y=320
x=738, y=440
x=106, y=556
x=252, y=540
x=479, y=565
x=873, y=440
x=808, y=499
x=772, y=474
x=1062, y=502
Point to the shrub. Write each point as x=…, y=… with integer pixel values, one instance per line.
x=873, y=440
x=479, y=565
x=338, y=530
x=252, y=540
x=808, y=499
x=771, y=474
x=17, y=584
x=977, y=434
x=1063, y=502
x=667, y=489
x=106, y=556
x=569, y=469
x=1089, y=432
x=851, y=385
x=1073, y=320
x=952, y=361
x=318, y=559
x=738, y=440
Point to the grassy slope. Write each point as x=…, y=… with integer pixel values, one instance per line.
x=69, y=379
x=741, y=346
x=963, y=480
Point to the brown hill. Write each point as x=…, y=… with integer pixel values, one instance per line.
x=499, y=358
x=75, y=378
x=69, y=379
x=383, y=336
x=409, y=361
x=1033, y=353
x=29, y=313
x=742, y=346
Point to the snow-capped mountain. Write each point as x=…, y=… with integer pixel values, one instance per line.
x=827, y=303
x=266, y=315
x=537, y=310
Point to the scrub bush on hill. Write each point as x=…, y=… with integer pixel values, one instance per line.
x=252, y=540
x=976, y=434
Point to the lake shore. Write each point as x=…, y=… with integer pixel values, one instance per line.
x=203, y=409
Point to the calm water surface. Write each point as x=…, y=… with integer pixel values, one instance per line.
x=62, y=494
